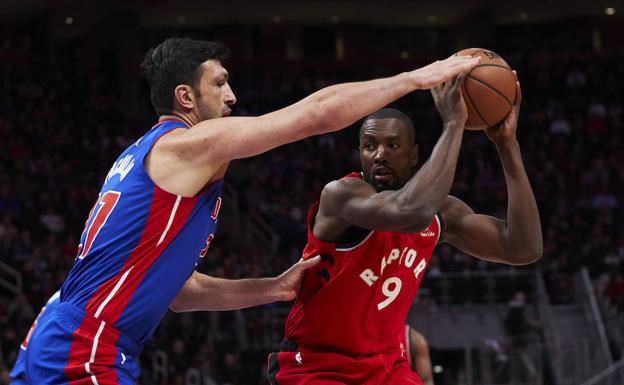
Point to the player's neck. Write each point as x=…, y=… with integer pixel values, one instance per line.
x=178, y=117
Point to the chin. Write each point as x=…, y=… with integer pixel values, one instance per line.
x=383, y=186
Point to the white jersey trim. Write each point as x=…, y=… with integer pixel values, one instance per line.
x=93, y=351
x=439, y=227
x=171, y=216
x=113, y=292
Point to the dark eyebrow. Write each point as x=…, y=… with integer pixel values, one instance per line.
x=223, y=75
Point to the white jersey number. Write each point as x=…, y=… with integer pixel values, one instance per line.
x=390, y=293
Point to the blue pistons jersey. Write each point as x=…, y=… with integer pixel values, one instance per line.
x=140, y=244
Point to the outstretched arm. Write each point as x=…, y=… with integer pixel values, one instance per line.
x=193, y=156
x=205, y=293
x=353, y=202
x=327, y=110
x=516, y=241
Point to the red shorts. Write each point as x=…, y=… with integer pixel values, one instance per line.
x=301, y=366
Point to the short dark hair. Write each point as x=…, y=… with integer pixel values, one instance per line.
x=177, y=61
x=392, y=113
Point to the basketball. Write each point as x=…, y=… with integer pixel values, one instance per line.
x=489, y=89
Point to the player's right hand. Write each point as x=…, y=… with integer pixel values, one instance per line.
x=450, y=103
x=289, y=282
x=442, y=70
x=506, y=131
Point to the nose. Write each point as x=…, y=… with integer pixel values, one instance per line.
x=229, y=97
x=380, y=155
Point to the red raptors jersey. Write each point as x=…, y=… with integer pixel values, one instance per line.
x=356, y=300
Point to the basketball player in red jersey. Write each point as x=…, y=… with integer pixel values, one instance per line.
x=375, y=232
x=415, y=349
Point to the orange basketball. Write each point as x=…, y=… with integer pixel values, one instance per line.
x=489, y=89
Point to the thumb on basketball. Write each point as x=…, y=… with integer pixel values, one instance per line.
x=518, y=94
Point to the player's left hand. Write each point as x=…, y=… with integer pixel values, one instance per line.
x=507, y=129
x=289, y=282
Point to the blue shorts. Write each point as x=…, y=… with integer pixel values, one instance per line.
x=18, y=381
x=69, y=347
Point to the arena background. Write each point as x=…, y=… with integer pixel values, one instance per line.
x=71, y=98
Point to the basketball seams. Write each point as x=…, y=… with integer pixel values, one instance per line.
x=487, y=85
x=469, y=100
x=493, y=89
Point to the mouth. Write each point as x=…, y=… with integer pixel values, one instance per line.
x=226, y=113
x=382, y=174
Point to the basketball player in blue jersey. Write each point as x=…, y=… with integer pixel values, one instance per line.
x=157, y=211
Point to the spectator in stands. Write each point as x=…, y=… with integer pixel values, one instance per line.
x=521, y=328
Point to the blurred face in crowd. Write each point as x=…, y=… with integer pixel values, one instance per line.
x=387, y=153
x=211, y=95
x=520, y=297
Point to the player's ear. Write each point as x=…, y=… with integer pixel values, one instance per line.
x=414, y=155
x=184, y=96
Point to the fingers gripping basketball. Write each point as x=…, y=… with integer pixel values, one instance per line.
x=489, y=89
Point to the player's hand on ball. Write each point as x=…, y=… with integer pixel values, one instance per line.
x=450, y=103
x=442, y=70
x=289, y=282
x=507, y=129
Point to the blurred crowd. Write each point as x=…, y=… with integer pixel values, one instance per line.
x=61, y=127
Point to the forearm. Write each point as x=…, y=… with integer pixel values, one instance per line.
x=338, y=106
x=205, y=293
x=523, y=233
x=425, y=192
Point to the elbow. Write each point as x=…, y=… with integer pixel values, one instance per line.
x=417, y=217
x=182, y=303
x=176, y=307
x=322, y=114
x=536, y=253
x=528, y=256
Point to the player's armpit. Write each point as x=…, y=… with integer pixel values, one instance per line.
x=484, y=236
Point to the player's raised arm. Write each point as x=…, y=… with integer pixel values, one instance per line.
x=384, y=150
x=330, y=109
x=518, y=240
